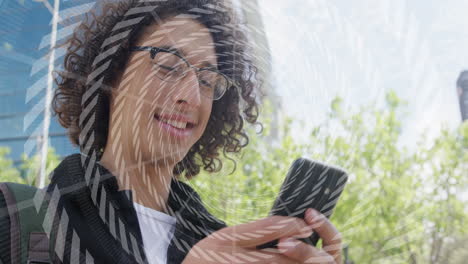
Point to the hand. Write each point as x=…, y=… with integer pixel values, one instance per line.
x=237, y=244
x=305, y=253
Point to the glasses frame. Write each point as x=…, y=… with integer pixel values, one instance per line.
x=155, y=50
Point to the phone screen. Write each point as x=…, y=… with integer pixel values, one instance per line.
x=309, y=184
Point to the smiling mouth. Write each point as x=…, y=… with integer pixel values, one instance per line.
x=177, y=124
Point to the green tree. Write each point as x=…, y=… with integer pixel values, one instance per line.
x=27, y=172
x=32, y=165
x=8, y=173
x=399, y=206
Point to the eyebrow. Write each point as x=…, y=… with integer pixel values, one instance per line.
x=182, y=53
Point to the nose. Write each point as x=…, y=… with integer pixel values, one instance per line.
x=187, y=90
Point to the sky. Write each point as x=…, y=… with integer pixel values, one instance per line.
x=361, y=49
x=356, y=49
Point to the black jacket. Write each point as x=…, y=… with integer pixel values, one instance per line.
x=112, y=235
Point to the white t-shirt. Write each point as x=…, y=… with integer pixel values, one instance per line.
x=157, y=230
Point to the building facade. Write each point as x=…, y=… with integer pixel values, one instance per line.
x=25, y=28
x=462, y=92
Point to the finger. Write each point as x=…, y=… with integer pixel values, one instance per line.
x=273, y=257
x=303, y=253
x=262, y=231
x=227, y=254
x=331, y=238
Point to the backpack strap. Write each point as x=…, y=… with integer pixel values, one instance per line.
x=13, y=221
x=38, y=248
x=28, y=241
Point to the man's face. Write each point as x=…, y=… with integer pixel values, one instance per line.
x=154, y=119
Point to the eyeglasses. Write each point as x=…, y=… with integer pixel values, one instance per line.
x=171, y=67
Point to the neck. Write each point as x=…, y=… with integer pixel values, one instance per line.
x=149, y=181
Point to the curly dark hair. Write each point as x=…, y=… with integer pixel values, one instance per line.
x=225, y=126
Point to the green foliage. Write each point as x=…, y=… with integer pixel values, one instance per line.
x=31, y=166
x=8, y=173
x=28, y=171
x=248, y=193
x=399, y=206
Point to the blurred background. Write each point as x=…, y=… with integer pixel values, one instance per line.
x=378, y=88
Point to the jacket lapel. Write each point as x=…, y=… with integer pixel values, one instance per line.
x=194, y=222
x=78, y=218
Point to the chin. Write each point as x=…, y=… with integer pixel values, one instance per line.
x=175, y=156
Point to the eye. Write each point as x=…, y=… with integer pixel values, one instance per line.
x=167, y=69
x=168, y=63
x=207, y=78
x=205, y=83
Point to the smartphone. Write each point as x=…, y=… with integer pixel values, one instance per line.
x=308, y=184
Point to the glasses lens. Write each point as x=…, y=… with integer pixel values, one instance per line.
x=212, y=84
x=172, y=68
x=169, y=67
